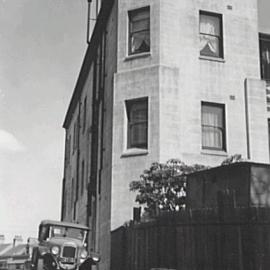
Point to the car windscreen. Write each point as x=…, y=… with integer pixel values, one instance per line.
x=59, y=231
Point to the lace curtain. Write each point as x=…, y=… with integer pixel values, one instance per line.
x=140, y=32
x=212, y=125
x=209, y=35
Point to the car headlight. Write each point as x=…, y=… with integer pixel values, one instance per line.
x=55, y=250
x=84, y=254
x=95, y=259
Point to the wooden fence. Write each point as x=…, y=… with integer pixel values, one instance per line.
x=227, y=238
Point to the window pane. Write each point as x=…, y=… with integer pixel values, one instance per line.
x=138, y=133
x=140, y=42
x=140, y=14
x=212, y=116
x=209, y=45
x=138, y=113
x=212, y=137
x=210, y=25
x=140, y=26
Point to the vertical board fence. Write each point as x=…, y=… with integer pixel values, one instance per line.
x=227, y=238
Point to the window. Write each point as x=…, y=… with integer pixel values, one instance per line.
x=137, y=115
x=265, y=56
x=74, y=137
x=82, y=178
x=72, y=190
x=76, y=134
x=211, y=43
x=213, y=126
x=269, y=136
x=84, y=113
x=139, y=30
x=68, y=145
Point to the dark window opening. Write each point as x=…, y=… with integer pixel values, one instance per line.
x=74, y=137
x=82, y=178
x=269, y=136
x=137, y=115
x=84, y=113
x=264, y=41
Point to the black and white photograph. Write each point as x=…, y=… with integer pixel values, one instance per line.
x=134, y=135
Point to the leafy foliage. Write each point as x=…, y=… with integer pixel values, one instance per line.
x=232, y=159
x=163, y=186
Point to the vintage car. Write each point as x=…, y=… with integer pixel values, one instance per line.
x=62, y=245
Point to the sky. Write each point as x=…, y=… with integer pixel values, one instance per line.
x=42, y=45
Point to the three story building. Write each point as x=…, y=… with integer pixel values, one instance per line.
x=161, y=79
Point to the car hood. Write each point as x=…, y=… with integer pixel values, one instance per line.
x=60, y=241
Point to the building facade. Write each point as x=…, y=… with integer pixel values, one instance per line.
x=161, y=79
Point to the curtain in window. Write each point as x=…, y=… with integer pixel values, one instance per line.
x=212, y=127
x=140, y=42
x=266, y=56
x=140, y=31
x=265, y=59
x=209, y=35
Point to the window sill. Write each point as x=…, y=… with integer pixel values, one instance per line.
x=221, y=153
x=138, y=55
x=134, y=152
x=213, y=59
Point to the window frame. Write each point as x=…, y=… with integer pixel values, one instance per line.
x=132, y=13
x=128, y=107
x=223, y=129
x=263, y=38
x=220, y=37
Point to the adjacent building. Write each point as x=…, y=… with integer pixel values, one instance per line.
x=161, y=79
x=14, y=256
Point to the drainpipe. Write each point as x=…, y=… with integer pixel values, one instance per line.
x=247, y=119
x=102, y=76
x=78, y=159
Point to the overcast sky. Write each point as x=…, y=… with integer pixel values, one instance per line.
x=42, y=44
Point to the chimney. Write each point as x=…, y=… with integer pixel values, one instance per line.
x=17, y=240
x=2, y=239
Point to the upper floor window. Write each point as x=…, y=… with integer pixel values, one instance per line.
x=74, y=145
x=211, y=41
x=68, y=150
x=84, y=113
x=213, y=126
x=76, y=134
x=82, y=178
x=139, y=30
x=137, y=115
x=265, y=56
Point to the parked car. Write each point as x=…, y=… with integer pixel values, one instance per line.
x=62, y=245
